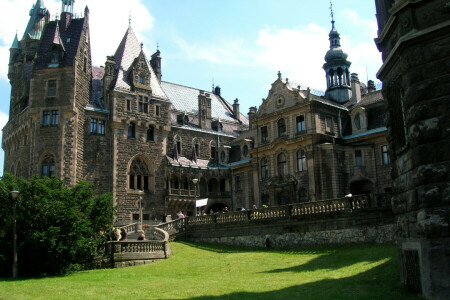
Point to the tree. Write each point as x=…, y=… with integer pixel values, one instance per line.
x=58, y=227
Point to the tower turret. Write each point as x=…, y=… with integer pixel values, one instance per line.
x=66, y=13
x=337, y=68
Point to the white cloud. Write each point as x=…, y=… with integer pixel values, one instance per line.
x=370, y=27
x=108, y=24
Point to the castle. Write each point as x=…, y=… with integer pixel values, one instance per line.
x=158, y=146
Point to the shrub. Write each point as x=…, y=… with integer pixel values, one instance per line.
x=58, y=227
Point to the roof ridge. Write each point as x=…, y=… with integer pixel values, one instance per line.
x=189, y=87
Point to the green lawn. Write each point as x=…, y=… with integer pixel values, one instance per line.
x=207, y=271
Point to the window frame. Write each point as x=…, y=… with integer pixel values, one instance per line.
x=282, y=165
x=385, y=155
x=264, y=134
x=51, y=90
x=359, y=162
x=131, y=130
x=264, y=168
x=301, y=160
x=46, y=118
x=301, y=123
x=281, y=126
x=151, y=137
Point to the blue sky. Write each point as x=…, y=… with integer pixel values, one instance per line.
x=240, y=44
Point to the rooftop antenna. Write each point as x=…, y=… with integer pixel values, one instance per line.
x=331, y=14
x=129, y=19
x=213, y=84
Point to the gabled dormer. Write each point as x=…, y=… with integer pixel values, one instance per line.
x=56, y=51
x=140, y=72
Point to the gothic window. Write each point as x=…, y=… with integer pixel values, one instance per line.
x=264, y=168
x=281, y=164
x=51, y=88
x=281, y=128
x=264, y=134
x=150, y=133
x=358, y=158
x=178, y=143
x=131, y=130
x=97, y=127
x=196, y=146
x=301, y=161
x=141, y=79
x=139, y=175
x=54, y=58
x=48, y=166
x=300, y=120
x=385, y=154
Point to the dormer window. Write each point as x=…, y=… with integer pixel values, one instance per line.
x=54, y=58
x=141, y=79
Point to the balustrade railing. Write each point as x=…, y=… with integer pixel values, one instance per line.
x=175, y=227
x=131, y=228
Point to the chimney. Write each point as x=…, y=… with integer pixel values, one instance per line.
x=217, y=91
x=155, y=62
x=204, y=108
x=251, y=115
x=370, y=86
x=236, y=109
x=356, y=88
x=66, y=18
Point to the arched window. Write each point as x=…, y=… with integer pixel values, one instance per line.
x=281, y=127
x=139, y=175
x=196, y=146
x=48, y=165
x=301, y=161
x=131, y=130
x=282, y=165
x=150, y=133
x=177, y=141
x=264, y=168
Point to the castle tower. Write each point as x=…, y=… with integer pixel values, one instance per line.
x=337, y=68
x=66, y=13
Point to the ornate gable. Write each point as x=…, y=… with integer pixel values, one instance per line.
x=140, y=73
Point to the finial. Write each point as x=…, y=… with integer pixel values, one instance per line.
x=332, y=14
x=142, y=45
x=279, y=75
x=157, y=45
x=213, y=84
x=129, y=19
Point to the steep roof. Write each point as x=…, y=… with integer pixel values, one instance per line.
x=69, y=39
x=369, y=99
x=185, y=99
x=97, y=87
x=36, y=23
x=128, y=50
x=15, y=44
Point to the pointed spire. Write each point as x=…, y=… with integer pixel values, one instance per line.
x=129, y=19
x=57, y=37
x=37, y=21
x=332, y=14
x=15, y=44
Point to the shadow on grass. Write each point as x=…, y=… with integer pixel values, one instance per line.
x=376, y=283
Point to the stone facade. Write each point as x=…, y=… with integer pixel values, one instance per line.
x=414, y=38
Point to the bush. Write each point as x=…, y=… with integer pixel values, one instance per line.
x=58, y=227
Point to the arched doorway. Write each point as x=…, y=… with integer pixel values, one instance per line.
x=361, y=187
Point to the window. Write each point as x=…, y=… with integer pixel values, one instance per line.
x=385, y=154
x=177, y=141
x=328, y=124
x=281, y=164
x=146, y=105
x=141, y=79
x=54, y=59
x=139, y=175
x=128, y=105
x=157, y=110
x=237, y=181
x=54, y=117
x=46, y=118
x=358, y=158
x=101, y=127
x=48, y=166
x=301, y=161
x=140, y=104
x=150, y=133
x=51, y=88
x=245, y=150
x=264, y=134
x=222, y=156
x=264, y=168
x=300, y=123
x=131, y=130
x=281, y=127
x=85, y=64
x=93, y=125
x=196, y=148
x=213, y=152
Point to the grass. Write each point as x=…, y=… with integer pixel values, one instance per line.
x=209, y=271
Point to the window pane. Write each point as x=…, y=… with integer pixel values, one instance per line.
x=45, y=170
x=46, y=118
x=157, y=110
x=145, y=107
x=358, y=158
x=131, y=179
x=93, y=126
x=128, y=105
x=131, y=130
x=146, y=183
x=101, y=127
x=139, y=182
x=51, y=170
x=51, y=88
x=300, y=123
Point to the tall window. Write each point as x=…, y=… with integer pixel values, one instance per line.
x=237, y=183
x=139, y=175
x=300, y=123
x=140, y=104
x=213, y=151
x=101, y=127
x=328, y=124
x=157, y=110
x=131, y=130
x=301, y=161
x=55, y=117
x=264, y=168
x=281, y=127
x=385, y=153
x=46, y=118
x=264, y=134
x=146, y=105
x=128, y=105
x=93, y=125
x=245, y=150
x=51, y=88
x=48, y=166
x=150, y=133
x=141, y=79
x=282, y=165
x=358, y=158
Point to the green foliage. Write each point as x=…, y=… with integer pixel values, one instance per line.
x=58, y=227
